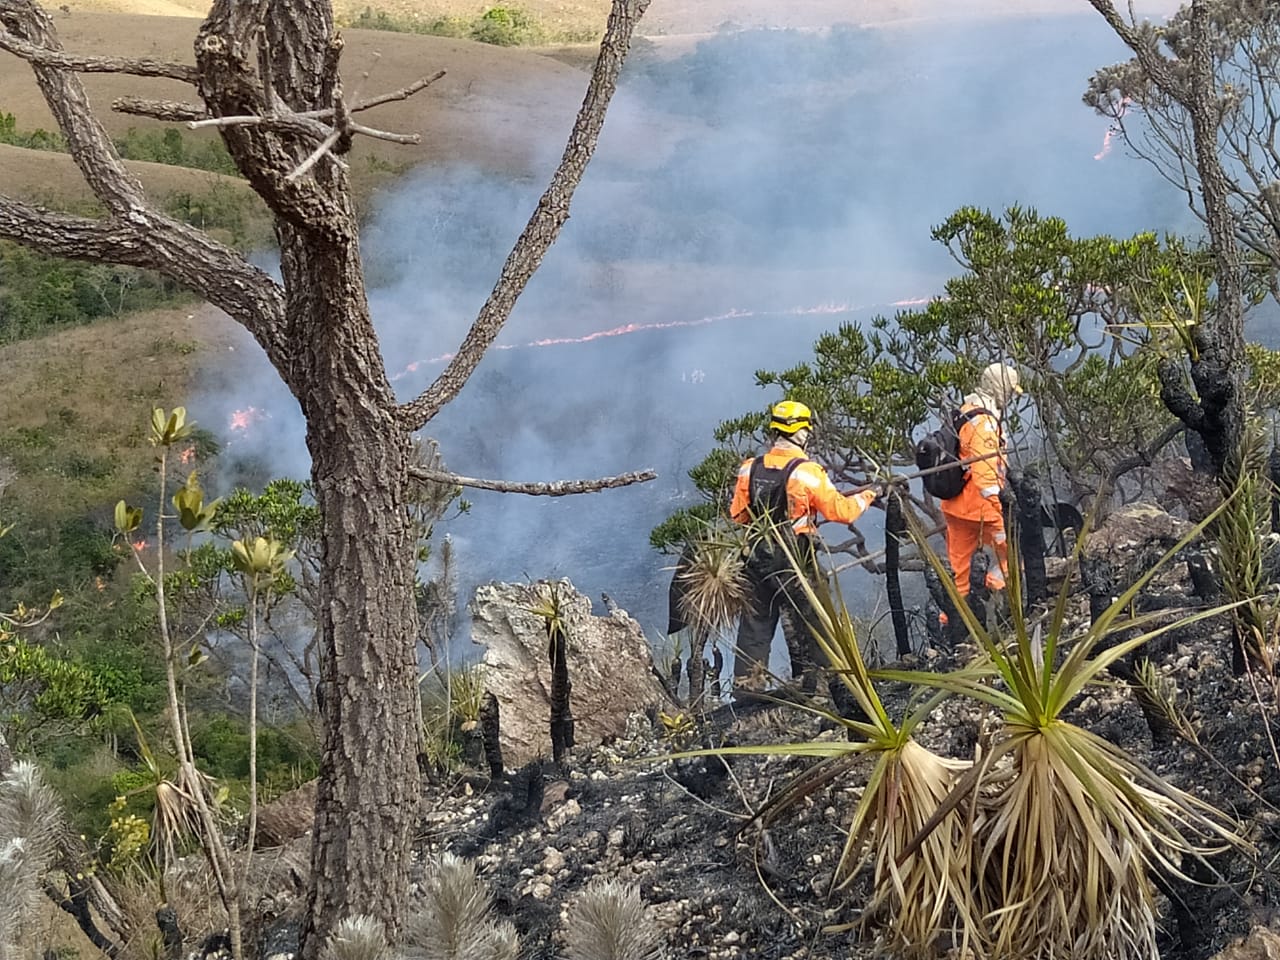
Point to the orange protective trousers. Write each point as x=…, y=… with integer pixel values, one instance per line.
x=967, y=537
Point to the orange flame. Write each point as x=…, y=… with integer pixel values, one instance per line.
x=242, y=420
x=1113, y=130
x=139, y=545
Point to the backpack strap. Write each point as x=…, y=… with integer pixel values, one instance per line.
x=968, y=416
x=964, y=416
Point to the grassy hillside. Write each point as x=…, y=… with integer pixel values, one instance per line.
x=486, y=109
x=76, y=403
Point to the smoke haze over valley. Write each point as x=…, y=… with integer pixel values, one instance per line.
x=748, y=194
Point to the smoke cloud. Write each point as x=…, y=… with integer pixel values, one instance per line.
x=779, y=181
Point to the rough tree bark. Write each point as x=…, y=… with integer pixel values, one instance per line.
x=267, y=77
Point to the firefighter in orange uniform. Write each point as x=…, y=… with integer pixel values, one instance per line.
x=975, y=519
x=793, y=492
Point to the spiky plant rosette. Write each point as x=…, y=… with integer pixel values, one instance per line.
x=454, y=921
x=713, y=587
x=608, y=922
x=917, y=877
x=1067, y=827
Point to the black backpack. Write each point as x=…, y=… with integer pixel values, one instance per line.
x=767, y=497
x=941, y=448
x=767, y=490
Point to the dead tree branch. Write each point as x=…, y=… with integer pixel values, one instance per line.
x=174, y=110
x=544, y=226
x=404, y=93
x=557, y=488
x=1156, y=66
x=42, y=56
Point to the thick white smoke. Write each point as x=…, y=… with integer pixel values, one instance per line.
x=764, y=171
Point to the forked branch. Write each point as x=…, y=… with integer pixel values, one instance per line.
x=544, y=226
x=557, y=488
x=1156, y=66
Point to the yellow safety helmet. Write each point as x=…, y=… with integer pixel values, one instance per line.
x=791, y=416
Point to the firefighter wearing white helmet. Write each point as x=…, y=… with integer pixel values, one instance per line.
x=787, y=491
x=975, y=518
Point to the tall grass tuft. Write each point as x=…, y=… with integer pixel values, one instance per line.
x=608, y=922
x=454, y=923
x=1240, y=531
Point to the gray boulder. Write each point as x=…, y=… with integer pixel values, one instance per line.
x=610, y=667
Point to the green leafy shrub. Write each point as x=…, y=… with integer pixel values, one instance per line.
x=285, y=754
x=171, y=146
x=504, y=27
x=30, y=139
x=40, y=293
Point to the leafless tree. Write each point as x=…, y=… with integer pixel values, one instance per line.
x=266, y=74
x=1199, y=101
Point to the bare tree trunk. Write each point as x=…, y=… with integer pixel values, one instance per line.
x=1216, y=412
x=267, y=75
x=369, y=775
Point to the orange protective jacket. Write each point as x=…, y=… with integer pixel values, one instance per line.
x=810, y=494
x=980, y=498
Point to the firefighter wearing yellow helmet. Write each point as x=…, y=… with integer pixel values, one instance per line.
x=786, y=491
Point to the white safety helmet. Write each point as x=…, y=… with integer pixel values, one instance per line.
x=1000, y=381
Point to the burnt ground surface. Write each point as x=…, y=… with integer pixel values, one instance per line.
x=720, y=886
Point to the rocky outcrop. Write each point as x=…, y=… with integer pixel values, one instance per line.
x=610, y=666
x=288, y=817
x=1136, y=528
x=1261, y=944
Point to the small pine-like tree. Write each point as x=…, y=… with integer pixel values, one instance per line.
x=454, y=923
x=30, y=824
x=609, y=923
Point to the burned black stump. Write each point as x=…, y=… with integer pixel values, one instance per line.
x=490, y=729
x=895, y=528
x=1028, y=513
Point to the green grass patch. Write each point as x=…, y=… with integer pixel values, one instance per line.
x=167, y=145
x=503, y=26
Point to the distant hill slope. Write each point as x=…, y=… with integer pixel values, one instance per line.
x=485, y=111
x=53, y=179
x=667, y=16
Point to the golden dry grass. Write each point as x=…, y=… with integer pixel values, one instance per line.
x=665, y=17
x=490, y=108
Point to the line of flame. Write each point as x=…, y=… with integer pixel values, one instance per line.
x=628, y=328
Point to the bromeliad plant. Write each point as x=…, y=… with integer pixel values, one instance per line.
x=918, y=879
x=1067, y=829
x=711, y=583
x=1046, y=844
